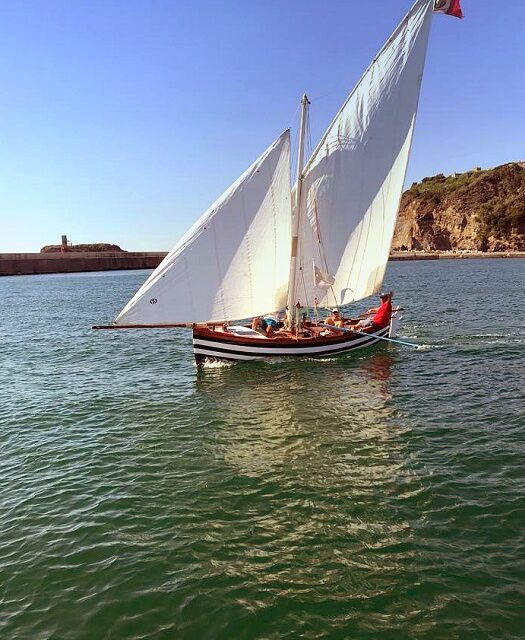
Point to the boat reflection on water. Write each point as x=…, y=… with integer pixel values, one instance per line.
x=379, y=365
x=317, y=468
x=289, y=412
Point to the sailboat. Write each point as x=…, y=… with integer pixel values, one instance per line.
x=265, y=247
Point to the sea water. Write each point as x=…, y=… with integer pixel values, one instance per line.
x=374, y=495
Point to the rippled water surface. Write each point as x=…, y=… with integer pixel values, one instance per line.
x=374, y=495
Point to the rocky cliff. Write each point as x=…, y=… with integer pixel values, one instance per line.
x=473, y=211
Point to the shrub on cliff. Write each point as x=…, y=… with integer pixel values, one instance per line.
x=494, y=200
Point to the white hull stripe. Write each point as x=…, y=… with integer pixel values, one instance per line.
x=226, y=356
x=228, y=350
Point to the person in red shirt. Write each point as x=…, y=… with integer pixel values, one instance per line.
x=381, y=315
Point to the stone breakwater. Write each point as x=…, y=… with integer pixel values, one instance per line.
x=453, y=255
x=12, y=264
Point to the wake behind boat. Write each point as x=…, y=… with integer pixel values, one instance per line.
x=264, y=247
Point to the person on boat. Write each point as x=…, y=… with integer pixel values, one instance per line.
x=335, y=320
x=380, y=315
x=265, y=324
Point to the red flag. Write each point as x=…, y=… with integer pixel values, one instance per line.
x=450, y=7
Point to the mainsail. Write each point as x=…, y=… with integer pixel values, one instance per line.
x=233, y=263
x=237, y=261
x=353, y=182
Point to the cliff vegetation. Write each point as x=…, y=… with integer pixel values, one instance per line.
x=80, y=248
x=480, y=210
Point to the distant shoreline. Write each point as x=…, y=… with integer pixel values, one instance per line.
x=453, y=255
x=40, y=263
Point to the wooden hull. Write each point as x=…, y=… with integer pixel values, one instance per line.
x=221, y=345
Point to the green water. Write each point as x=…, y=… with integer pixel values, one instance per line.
x=374, y=495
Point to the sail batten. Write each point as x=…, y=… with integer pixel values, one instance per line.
x=352, y=183
x=234, y=261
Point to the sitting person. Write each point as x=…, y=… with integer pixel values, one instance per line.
x=381, y=315
x=266, y=324
x=335, y=320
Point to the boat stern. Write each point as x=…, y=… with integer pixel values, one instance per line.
x=395, y=323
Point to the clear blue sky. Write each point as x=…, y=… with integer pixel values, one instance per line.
x=122, y=120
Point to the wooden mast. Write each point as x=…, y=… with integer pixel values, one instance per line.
x=291, y=301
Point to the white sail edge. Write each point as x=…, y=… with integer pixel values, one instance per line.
x=363, y=75
x=233, y=262
x=353, y=181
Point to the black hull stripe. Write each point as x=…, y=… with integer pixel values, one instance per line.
x=270, y=344
x=212, y=350
x=266, y=350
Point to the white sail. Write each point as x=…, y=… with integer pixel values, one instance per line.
x=353, y=182
x=234, y=262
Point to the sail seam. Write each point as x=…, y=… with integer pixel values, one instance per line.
x=188, y=281
x=374, y=61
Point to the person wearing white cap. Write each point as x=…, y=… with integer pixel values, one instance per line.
x=335, y=320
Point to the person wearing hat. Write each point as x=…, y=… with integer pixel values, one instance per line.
x=380, y=315
x=336, y=320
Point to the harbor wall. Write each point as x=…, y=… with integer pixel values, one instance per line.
x=34, y=263
x=453, y=255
